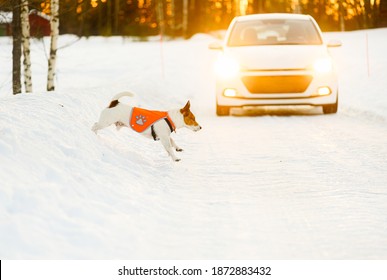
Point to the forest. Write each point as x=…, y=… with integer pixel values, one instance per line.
x=184, y=18
x=167, y=18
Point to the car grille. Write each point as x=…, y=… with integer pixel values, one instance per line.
x=277, y=84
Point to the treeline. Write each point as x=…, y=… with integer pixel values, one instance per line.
x=187, y=17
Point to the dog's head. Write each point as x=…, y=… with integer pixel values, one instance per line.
x=189, y=118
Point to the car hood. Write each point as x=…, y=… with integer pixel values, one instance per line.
x=279, y=57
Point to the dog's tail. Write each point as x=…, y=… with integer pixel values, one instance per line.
x=116, y=97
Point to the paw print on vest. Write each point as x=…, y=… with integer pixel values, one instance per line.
x=140, y=120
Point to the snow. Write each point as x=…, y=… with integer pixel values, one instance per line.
x=286, y=183
x=5, y=17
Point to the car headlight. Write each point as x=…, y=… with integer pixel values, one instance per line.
x=323, y=65
x=226, y=67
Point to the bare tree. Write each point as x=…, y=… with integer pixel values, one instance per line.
x=173, y=18
x=16, y=49
x=109, y=18
x=341, y=16
x=185, y=18
x=25, y=27
x=54, y=23
x=116, y=16
x=382, y=13
x=160, y=16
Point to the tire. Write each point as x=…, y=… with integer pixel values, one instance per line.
x=331, y=108
x=222, y=110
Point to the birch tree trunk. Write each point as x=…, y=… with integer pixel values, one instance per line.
x=25, y=27
x=16, y=47
x=54, y=23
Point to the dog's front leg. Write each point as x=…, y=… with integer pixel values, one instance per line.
x=173, y=143
x=167, y=143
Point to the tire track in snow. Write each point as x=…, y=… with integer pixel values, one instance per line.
x=292, y=181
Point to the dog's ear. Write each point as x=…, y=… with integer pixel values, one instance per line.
x=186, y=108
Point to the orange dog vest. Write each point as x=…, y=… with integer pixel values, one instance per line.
x=141, y=119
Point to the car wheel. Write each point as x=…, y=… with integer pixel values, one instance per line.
x=331, y=108
x=222, y=110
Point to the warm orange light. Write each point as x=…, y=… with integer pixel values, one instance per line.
x=323, y=65
x=243, y=4
x=226, y=67
x=324, y=91
x=94, y=3
x=230, y=92
x=46, y=7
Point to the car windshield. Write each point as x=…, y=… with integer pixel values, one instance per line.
x=274, y=32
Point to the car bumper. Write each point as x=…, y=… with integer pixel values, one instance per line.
x=277, y=88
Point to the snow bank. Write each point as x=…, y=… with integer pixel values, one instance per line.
x=66, y=193
x=362, y=66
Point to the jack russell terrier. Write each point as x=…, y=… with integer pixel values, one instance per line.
x=157, y=125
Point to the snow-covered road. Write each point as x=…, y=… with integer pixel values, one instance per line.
x=296, y=187
x=269, y=184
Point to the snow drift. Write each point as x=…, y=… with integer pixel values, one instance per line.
x=287, y=184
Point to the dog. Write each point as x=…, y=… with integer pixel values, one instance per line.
x=157, y=125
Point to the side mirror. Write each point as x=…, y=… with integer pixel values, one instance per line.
x=334, y=43
x=215, y=46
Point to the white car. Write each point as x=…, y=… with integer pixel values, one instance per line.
x=275, y=59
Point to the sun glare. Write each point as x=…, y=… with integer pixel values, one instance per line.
x=94, y=3
x=226, y=67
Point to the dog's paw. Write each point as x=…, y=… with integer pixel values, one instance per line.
x=179, y=149
x=119, y=125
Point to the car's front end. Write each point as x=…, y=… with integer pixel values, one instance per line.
x=275, y=74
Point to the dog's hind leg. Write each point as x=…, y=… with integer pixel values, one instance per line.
x=168, y=147
x=119, y=125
